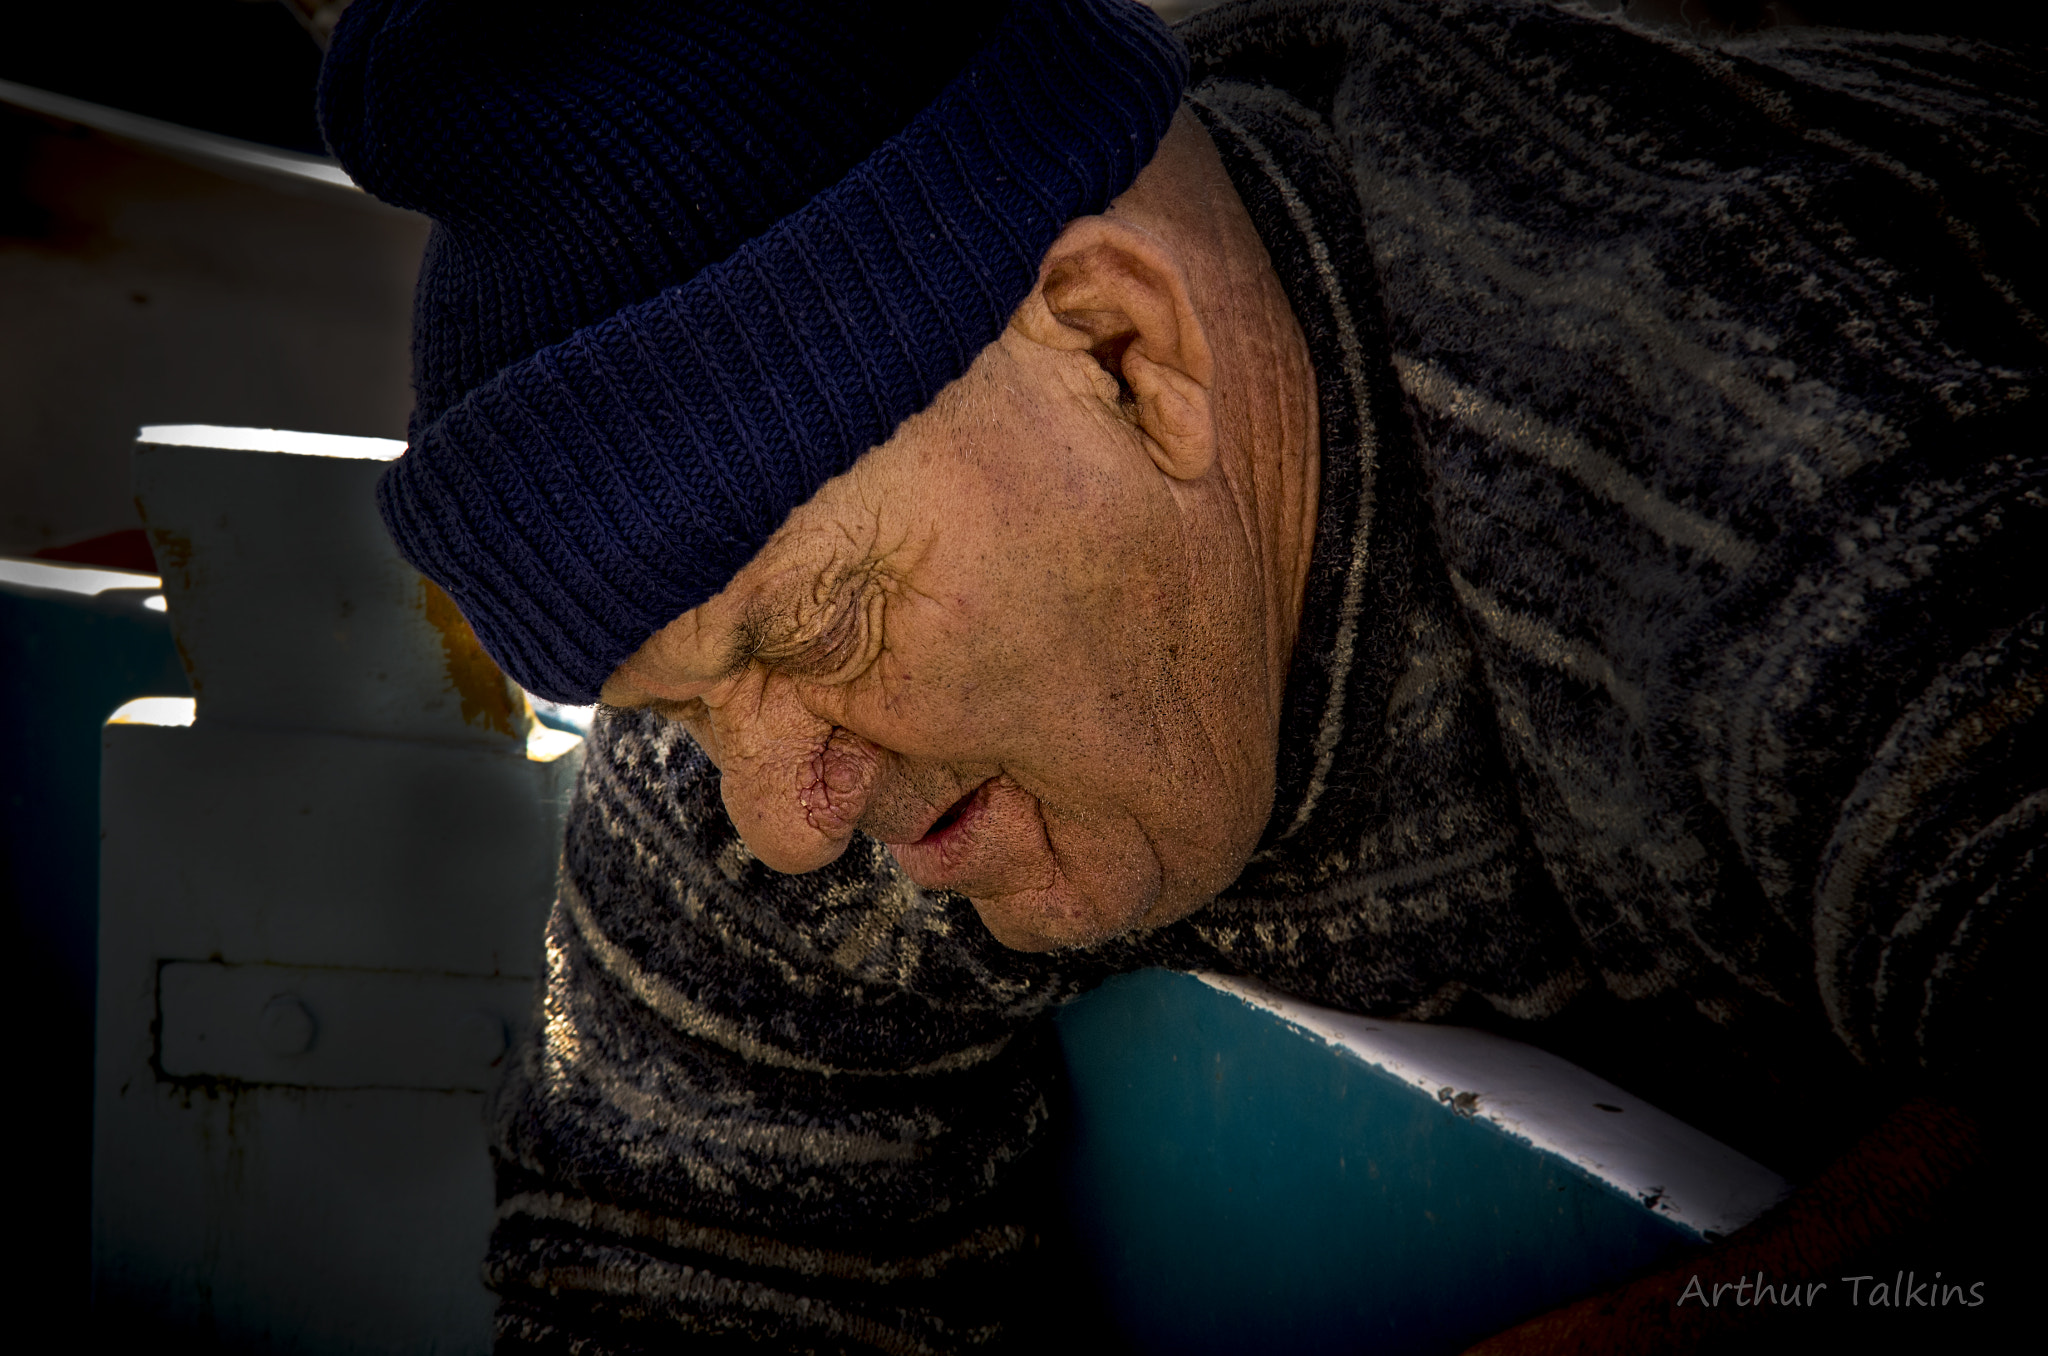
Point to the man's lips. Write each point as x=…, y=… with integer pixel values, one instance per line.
x=945, y=818
x=944, y=854
x=951, y=815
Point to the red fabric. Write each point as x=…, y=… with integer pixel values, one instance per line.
x=127, y=549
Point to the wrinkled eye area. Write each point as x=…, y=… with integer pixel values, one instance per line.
x=834, y=641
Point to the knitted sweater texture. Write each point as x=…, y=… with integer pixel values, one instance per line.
x=1673, y=646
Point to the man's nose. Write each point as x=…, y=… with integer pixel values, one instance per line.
x=794, y=785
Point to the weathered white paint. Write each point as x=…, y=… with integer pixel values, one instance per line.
x=271, y=440
x=288, y=598
x=1553, y=1104
x=173, y=711
x=369, y=1028
x=335, y=841
x=58, y=577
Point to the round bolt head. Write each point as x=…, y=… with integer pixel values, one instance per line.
x=481, y=1037
x=286, y=1026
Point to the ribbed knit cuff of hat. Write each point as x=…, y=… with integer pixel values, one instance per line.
x=583, y=497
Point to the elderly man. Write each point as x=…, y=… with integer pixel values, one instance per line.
x=1468, y=509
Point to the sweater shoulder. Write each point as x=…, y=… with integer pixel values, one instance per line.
x=851, y=967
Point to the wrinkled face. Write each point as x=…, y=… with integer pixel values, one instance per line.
x=1006, y=645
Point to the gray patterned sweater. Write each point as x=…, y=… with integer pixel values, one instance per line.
x=1673, y=648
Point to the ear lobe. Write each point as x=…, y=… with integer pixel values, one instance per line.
x=1121, y=294
x=1174, y=410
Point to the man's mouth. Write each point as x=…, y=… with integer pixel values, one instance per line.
x=944, y=855
x=951, y=815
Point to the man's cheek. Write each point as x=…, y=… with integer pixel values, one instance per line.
x=948, y=698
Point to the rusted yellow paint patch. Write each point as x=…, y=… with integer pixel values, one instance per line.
x=487, y=698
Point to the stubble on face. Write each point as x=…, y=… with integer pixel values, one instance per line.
x=974, y=647
x=1027, y=642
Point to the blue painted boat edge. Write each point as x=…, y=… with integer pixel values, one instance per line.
x=1690, y=1179
x=1238, y=1187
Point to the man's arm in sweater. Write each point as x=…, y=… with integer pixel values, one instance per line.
x=786, y=1112
x=1927, y=916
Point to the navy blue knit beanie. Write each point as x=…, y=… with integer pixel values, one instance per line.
x=691, y=259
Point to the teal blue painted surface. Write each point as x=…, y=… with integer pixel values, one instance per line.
x=66, y=662
x=1240, y=1186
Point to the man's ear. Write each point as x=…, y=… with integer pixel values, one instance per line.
x=1121, y=294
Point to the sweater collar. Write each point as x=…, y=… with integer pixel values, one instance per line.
x=1395, y=872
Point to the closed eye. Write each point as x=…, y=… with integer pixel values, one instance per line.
x=823, y=654
x=830, y=642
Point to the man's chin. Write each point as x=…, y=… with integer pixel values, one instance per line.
x=1052, y=920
